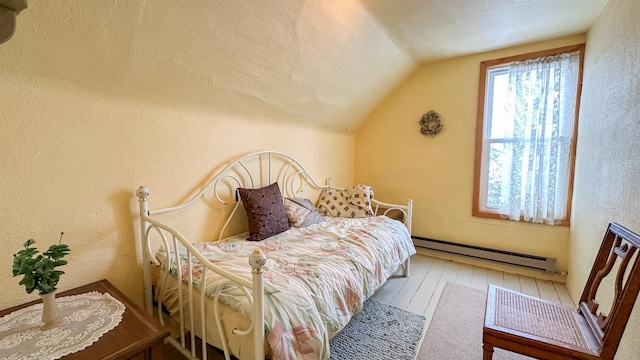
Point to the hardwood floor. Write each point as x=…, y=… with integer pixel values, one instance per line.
x=420, y=292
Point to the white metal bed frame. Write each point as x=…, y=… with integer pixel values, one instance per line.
x=292, y=178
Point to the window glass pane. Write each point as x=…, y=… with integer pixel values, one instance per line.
x=494, y=181
x=500, y=122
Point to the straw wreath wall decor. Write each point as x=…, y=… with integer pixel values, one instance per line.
x=430, y=123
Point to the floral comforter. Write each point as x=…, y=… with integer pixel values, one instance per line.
x=316, y=278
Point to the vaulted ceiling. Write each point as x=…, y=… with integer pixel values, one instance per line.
x=323, y=63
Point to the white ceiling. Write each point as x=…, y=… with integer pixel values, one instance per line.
x=437, y=29
x=324, y=63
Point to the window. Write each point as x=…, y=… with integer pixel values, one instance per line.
x=526, y=136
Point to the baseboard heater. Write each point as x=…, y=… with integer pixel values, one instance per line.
x=507, y=257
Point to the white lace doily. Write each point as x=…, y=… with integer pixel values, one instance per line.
x=86, y=317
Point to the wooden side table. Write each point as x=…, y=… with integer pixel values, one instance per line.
x=137, y=337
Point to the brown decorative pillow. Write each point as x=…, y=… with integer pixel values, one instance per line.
x=265, y=211
x=352, y=202
x=301, y=212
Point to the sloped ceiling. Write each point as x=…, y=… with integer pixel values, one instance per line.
x=437, y=29
x=324, y=63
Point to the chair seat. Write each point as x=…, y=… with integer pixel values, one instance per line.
x=536, y=320
x=533, y=316
x=545, y=330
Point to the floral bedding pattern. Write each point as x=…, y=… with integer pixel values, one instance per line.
x=316, y=278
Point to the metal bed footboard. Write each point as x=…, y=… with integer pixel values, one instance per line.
x=173, y=242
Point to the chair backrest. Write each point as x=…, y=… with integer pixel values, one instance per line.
x=619, y=245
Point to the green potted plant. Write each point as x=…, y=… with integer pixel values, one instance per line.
x=39, y=272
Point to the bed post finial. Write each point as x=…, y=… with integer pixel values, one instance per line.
x=257, y=259
x=142, y=193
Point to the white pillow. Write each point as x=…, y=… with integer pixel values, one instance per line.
x=301, y=212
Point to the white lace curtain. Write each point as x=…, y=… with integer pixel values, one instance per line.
x=541, y=100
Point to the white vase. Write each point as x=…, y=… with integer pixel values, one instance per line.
x=50, y=315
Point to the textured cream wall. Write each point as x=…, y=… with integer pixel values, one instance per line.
x=607, y=169
x=78, y=135
x=399, y=162
x=72, y=159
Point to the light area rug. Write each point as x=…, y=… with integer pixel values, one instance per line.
x=378, y=332
x=455, y=331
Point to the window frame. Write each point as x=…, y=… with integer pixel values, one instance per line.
x=480, y=178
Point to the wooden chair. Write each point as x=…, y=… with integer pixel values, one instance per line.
x=545, y=330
